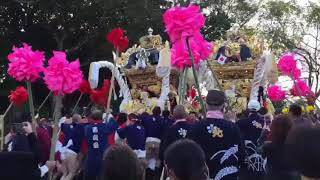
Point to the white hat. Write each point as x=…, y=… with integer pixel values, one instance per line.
x=254, y=105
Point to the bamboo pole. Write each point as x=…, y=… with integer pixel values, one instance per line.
x=214, y=76
x=31, y=106
x=8, y=109
x=77, y=103
x=54, y=139
x=196, y=79
x=44, y=102
x=112, y=83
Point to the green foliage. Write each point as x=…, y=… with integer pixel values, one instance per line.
x=79, y=26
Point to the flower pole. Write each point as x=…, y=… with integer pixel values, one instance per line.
x=31, y=106
x=183, y=25
x=182, y=85
x=203, y=107
x=120, y=42
x=26, y=65
x=61, y=77
x=17, y=97
x=112, y=82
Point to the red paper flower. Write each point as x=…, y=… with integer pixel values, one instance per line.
x=61, y=76
x=25, y=64
x=118, y=39
x=300, y=88
x=100, y=96
x=19, y=96
x=85, y=87
x=192, y=92
x=275, y=93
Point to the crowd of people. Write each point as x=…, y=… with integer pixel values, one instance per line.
x=167, y=145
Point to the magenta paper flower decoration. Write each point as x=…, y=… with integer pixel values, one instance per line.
x=25, y=64
x=182, y=22
x=275, y=93
x=288, y=66
x=300, y=88
x=61, y=76
x=201, y=50
x=296, y=74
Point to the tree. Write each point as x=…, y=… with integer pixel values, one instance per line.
x=290, y=27
x=222, y=15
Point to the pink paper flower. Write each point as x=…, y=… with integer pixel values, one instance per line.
x=300, y=88
x=25, y=64
x=182, y=22
x=61, y=76
x=296, y=74
x=275, y=93
x=201, y=50
x=287, y=64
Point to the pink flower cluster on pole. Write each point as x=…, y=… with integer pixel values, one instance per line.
x=288, y=66
x=276, y=94
x=301, y=89
x=184, y=23
x=25, y=64
x=61, y=76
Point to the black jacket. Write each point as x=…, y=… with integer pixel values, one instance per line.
x=222, y=144
x=22, y=162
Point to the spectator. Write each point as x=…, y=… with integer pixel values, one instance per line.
x=121, y=163
x=185, y=160
x=277, y=165
x=193, y=117
x=44, y=138
x=219, y=137
x=23, y=163
x=302, y=149
x=295, y=114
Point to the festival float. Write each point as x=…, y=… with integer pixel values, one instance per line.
x=238, y=66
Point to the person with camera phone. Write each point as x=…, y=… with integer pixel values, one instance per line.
x=21, y=161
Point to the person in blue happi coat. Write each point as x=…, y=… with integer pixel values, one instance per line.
x=96, y=137
x=134, y=134
x=154, y=127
